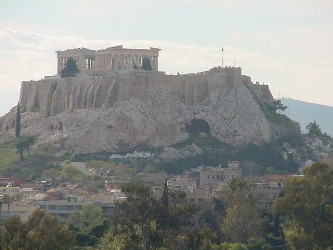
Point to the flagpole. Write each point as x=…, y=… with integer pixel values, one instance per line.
x=222, y=57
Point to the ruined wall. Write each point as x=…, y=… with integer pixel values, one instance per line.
x=261, y=92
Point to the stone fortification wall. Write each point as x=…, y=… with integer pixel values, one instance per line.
x=56, y=95
x=34, y=95
x=261, y=92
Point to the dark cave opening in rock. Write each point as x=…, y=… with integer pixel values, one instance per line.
x=197, y=126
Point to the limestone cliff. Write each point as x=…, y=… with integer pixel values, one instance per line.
x=122, y=112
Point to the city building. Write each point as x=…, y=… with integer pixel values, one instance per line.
x=65, y=208
x=213, y=176
x=154, y=179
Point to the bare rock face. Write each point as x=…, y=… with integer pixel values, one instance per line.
x=234, y=117
x=154, y=119
x=127, y=113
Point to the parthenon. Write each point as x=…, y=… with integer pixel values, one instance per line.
x=108, y=60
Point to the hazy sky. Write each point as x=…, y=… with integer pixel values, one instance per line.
x=285, y=44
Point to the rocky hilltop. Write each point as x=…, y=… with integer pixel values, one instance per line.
x=124, y=111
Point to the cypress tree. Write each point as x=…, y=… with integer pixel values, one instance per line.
x=18, y=121
x=165, y=195
x=70, y=68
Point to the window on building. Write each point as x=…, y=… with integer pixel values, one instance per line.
x=51, y=207
x=208, y=176
x=69, y=207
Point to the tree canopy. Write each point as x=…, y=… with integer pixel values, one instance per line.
x=41, y=231
x=314, y=129
x=70, y=68
x=242, y=220
x=279, y=106
x=70, y=172
x=145, y=222
x=24, y=143
x=307, y=208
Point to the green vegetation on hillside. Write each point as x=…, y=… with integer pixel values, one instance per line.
x=314, y=130
x=203, y=141
x=271, y=113
x=24, y=143
x=112, y=168
x=8, y=154
x=33, y=163
x=69, y=172
x=254, y=159
x=272, y=110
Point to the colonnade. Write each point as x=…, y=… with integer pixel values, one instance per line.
x=110, y=59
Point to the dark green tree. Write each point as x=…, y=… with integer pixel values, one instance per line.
x=146, y=64
x=134, y=221
x=87, y=225
x=70, y=68
x=145, y=222
x=24, y=143
x=307, y=209
x=41, y=231
x=243, y=219
x=18, y=121
x=90, y=214
x=279, y=106
x=45, y=230
x=314, y=129
x=165, y=195
x=14, y=234
x=70, y=172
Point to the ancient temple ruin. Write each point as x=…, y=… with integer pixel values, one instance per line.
x=108, y=60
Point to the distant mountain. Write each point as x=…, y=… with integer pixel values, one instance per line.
x=306, y=112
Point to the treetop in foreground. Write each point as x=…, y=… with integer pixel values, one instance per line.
x=307, y=209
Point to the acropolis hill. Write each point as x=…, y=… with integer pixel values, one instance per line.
x=113, y=105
